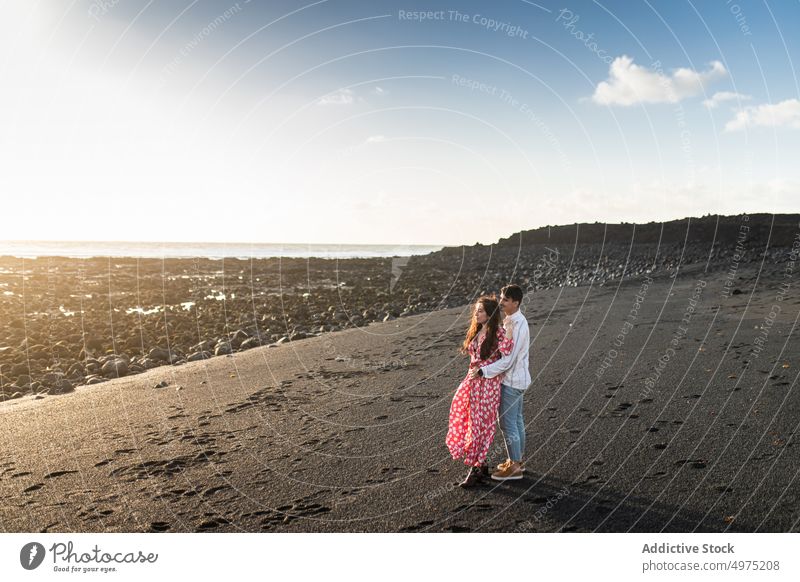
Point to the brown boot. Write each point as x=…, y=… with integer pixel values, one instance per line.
x=512, y=472
x=473, y=478
x=504, y=465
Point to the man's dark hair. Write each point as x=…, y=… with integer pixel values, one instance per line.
x=513, y=292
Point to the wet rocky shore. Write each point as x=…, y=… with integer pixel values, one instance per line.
x=70, y=322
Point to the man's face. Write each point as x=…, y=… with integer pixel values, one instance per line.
x=509, y=305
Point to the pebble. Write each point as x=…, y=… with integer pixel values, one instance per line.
x=299, y=298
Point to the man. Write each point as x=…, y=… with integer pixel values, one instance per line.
x=516, y=381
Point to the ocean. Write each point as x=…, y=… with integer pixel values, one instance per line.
x=85, y=249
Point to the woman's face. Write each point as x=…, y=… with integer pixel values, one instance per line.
x=480, y=313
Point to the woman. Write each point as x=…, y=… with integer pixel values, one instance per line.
x=473, y=413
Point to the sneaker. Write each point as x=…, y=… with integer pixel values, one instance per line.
x=511, y=473
x=472, y=478
x=502, y=466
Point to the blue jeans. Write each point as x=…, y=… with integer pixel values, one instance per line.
x=511, y=421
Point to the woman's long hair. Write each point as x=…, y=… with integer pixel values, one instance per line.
x=489, y=345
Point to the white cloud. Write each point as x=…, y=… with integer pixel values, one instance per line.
x=339, y=97
x=379, y=91
x=375, y=139
x=629, y=83
x=722, y=96
x=783, y=114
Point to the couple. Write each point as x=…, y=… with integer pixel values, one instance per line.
x=497, y=379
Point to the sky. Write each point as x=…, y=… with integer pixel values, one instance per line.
x=390, y=122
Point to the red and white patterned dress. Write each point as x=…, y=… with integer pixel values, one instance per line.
x=473, y=413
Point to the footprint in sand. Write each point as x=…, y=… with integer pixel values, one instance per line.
x=55, y=474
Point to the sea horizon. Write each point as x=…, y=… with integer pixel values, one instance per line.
x=208, y=250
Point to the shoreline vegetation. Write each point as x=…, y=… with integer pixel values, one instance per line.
x=72, y=322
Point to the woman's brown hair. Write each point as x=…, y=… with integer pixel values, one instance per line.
x=489, y=345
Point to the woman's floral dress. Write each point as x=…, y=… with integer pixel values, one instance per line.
x=473, y=413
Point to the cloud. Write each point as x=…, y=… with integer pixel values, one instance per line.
x=783, y=114
x=338, y=97
x=375, y=139
x=629, y=83
x=379, y=91
x=722, y=96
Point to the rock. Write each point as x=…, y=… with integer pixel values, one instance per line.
x=61, y=349
x=162, y=384
x=237, y=338
x=389, y=317
x=76, y=369
x=94, y=344
x=19, y=370
x=115, y=368
x=159, y=355
x=63, y=386
x=283, y=340
x=51, y=378
x=222, y=349
x=148, y=364
x=38, y=352
x=205, y=346
x=94, y=380
x=9, y=389
x=250, y=343
x=199, y=356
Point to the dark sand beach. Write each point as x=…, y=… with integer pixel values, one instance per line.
x=664, y=394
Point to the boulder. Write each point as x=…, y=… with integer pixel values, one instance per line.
x=63, y=386
x=148, y=364
x=51, y=378
x=250, y=343
x=160, y=355
x=115, y=368
x=237, y=338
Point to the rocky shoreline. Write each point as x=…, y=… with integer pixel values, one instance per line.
x=72, y=322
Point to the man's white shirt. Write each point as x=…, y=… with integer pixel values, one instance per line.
x=515, y=364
